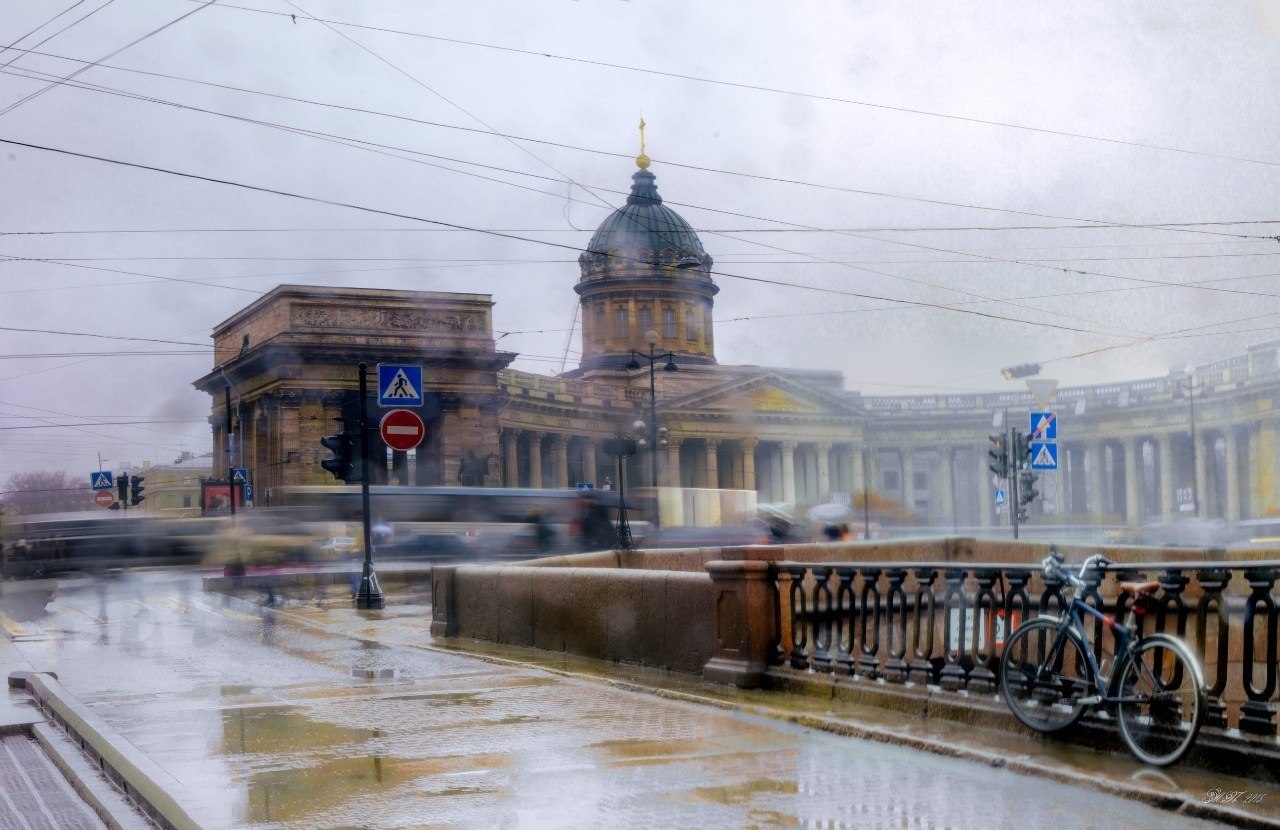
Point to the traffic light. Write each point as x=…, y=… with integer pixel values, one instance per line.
x=1027, y=491
x=135, y=490
x=1021, y=451
x=343, y=465
x=999, y=456
x=122, y=489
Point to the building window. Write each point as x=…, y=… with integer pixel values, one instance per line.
x=621, y=328
x=600, y=322
x=920, y=480
x=186, y=501
x=691, y=326
x=669, y=323
x=891, y=480
x=644, y=318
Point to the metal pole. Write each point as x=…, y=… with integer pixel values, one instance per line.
x=231, y=486
x=1195, y=491
x=1014, y=506
x=866, y=498
x=624, y=527
x=653, y=441
x=370, y=594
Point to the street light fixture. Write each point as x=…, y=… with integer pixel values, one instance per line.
x=657, y=438
x=1022, y=370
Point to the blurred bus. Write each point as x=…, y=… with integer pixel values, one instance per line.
x=446, y=522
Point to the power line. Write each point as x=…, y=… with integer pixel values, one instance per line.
x=770, y=90
x=1184, y=227
x=102, y=336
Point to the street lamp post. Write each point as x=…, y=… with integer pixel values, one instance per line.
x=657, y=438
x=620, y=446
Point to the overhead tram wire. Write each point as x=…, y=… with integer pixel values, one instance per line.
x=46, y=23
x=1088, y=223
x=492, y=130
x=352, y=142
x=39, y=92
x=409, y=217
x=770, y=90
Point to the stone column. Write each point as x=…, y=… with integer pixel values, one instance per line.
x=1097, y=460
x=1202, y=473
x=909, y=481
x=711, y=477
x=1167, y=476
x=824, y=469
x=788, y=471
x=1232, y=449
x=946, y=488
x=535, y=458
x=673, y=461
x=511, y=456
x=560, y=454
x=749, y=463
x=589, y=460
x=857, y=472
x=1133, y=481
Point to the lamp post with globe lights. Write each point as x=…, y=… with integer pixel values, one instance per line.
x=657, y=437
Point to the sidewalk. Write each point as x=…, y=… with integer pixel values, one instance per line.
x=312, y=715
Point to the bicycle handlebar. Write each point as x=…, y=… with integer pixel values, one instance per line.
x=1053, y=566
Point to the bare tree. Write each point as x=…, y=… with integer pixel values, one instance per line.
x=46, y=492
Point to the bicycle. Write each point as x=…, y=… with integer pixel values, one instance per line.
x=1050, y=675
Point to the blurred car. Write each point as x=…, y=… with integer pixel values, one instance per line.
x=1188, y=533
x=337, y=547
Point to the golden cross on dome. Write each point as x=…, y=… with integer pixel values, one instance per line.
x=642, y=161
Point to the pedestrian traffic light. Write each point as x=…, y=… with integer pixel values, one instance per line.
x=135, y=490
x=1027, y=491
x=343, y=446
x=999, y=456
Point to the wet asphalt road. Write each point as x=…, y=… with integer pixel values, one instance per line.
x=290, y=721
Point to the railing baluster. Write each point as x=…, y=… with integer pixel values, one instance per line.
x=799, y=616
x=869, y=624
x=953, y=630
x=823, y=619
x=1212, y=583
x=847, y=606
x=925, y=628
x=1258, y=714
x=895, y=626
x=983, y=640
x=776, y=657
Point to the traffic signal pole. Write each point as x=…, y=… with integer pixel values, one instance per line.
x=370, y=594
x=1014, y=505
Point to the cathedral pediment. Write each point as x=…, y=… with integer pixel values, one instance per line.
x=769, y=393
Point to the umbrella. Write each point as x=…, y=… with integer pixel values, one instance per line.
x=830, y=513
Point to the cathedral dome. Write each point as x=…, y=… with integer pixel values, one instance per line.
x=645, y=278
x=644, y=231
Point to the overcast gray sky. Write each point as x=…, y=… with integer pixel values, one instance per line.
x=859, y=149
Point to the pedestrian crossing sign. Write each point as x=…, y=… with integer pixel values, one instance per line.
x=399, y=385
x=1044, y=455
x=239, y=475
x=101, y=480
x=1000, y=498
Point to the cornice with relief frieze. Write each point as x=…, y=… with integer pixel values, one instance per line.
x=401, y=319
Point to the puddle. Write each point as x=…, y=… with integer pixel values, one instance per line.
x=293, y=794
x=739, y=794
x=627, y=749
x=283, y=729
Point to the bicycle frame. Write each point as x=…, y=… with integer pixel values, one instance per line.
x=1075, y=619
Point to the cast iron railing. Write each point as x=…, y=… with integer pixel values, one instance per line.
x=940, y=624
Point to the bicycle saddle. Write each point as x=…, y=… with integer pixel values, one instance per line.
x=1140, y=589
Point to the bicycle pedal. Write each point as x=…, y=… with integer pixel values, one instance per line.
x=1091, y=700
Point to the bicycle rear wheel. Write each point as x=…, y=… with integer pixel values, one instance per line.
x=1161, y=701
x=1045, y=674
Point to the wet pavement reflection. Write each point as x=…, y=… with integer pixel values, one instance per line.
x=315, y=716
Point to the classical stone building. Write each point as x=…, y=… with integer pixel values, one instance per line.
x=1127, y=452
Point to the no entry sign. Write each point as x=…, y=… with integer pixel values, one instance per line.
x=402, y=429
x=104, y=498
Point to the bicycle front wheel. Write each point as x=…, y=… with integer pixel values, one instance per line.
x=1160, y=700
x=1045, y=675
